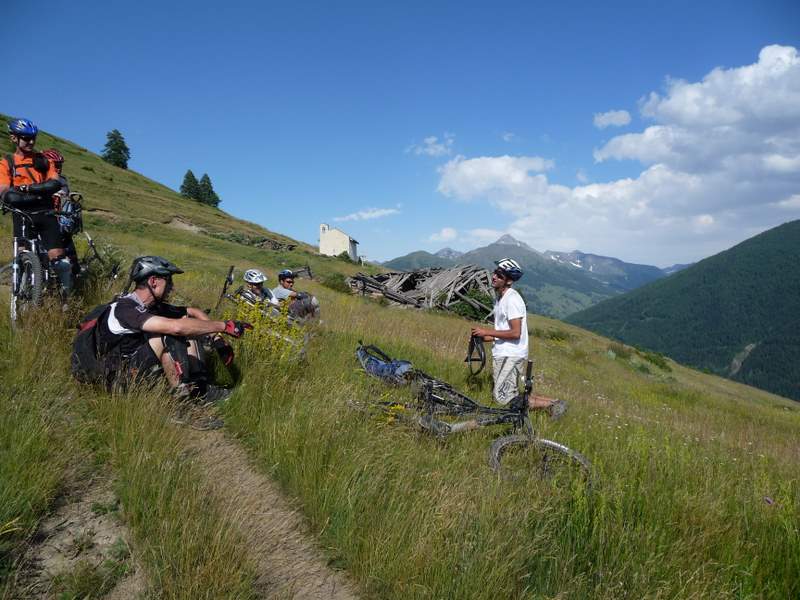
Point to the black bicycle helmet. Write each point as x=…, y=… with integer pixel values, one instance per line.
x=285, y=274
x=145, y=266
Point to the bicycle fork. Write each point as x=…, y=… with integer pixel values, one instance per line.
x=15, y=269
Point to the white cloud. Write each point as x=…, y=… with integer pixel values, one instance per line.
x=791, y=203
x=508, y=136
x=433, y=146
x=469, y=178
x=720, y=163
x=581, y=176
x=367, y=214
x=615, y=118
x=447, y=234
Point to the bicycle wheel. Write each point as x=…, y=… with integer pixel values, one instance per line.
x=519, y=456
x=31, y=285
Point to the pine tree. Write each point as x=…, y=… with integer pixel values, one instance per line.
x=207, y=193
x=116, y=151
x=190, y=188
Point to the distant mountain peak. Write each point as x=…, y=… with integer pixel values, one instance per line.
x=448, y=253
x=509, y=240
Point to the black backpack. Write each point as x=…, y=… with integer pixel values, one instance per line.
x=89, y=363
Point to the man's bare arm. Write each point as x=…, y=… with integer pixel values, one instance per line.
x=182, y=327
x=512, y=334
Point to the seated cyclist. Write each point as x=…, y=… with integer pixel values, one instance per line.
x=302, y=305
x=254, y=289
x=285, y=289
x=28, y=182
x=149, y=336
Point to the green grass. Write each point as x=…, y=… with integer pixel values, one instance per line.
x=52, y=431
x=698, y=491
x=698, y=495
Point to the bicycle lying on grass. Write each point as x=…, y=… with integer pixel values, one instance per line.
x=441, y=410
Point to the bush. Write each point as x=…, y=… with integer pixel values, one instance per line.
x=468, y=311
x=620, y=350
x=345, y=256
x=657, y=359
x=336, y=282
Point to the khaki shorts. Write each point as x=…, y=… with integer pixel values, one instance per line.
x=508, y=371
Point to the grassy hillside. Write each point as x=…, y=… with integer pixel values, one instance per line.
x=735, y=314
x=698, y=491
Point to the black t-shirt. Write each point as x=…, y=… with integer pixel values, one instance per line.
x=127, y=317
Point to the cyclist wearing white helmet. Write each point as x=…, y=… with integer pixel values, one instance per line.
x=510, y=337
x=255, y=285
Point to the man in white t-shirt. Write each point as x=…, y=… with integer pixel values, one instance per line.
x=510, y=337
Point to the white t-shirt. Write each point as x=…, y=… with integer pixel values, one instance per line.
x=510, y=306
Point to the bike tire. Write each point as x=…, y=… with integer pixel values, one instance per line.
x=31, y=285
x=517, y=456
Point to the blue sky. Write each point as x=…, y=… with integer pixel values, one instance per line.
x=310, y=112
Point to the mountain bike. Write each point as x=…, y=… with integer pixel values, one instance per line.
x=31, y=274
x=440, y=410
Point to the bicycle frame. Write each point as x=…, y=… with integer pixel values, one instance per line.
x=31, y=244
x=516, y=415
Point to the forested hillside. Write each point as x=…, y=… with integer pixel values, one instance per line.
x=736, y=314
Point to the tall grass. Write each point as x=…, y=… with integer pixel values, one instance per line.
x=53, y=432
x=693, y=501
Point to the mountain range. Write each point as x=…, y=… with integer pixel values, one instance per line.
x=555, y=284
x=736, y=314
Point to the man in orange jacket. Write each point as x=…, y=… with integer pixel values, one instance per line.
x=27, y=182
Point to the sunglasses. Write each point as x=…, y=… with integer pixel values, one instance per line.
x=289, y=281
x=27, y=138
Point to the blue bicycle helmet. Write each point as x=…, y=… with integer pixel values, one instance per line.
x=285, y=274
x=23, y=127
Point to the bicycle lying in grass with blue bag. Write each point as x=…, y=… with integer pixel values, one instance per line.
x=441, y=410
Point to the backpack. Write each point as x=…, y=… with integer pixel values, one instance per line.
x=88, y=363
x=71, y=218
x=389, y=370
x=40, y=163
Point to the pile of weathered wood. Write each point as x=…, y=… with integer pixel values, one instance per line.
x=428, y=288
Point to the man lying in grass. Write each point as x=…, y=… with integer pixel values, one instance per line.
x=147, y=336
x=510, y=337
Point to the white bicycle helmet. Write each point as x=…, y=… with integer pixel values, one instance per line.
x=510, y=267
x=254, y=276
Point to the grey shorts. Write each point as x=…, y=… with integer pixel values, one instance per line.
x=508, y=372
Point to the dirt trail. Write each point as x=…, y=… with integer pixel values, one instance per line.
x=83, y=531
x=288, y=560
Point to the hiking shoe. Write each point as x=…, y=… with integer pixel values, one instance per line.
x=557, y=409
x=215, y=395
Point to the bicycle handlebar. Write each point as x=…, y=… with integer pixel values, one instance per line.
x=28, y=214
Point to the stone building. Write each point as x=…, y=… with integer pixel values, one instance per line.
x=332, y=242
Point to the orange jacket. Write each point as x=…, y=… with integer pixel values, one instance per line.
x=24, y=171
